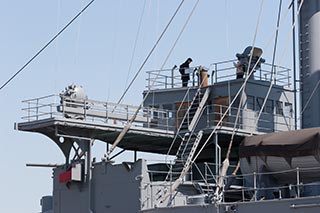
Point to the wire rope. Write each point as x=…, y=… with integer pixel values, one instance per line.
x=46, y=45
x=229, y=107
x=135, y=42
x=166, y=59
x=309, y=99
x=273, y=80
x=243, y=90
x=149, y=54
x=128, y=125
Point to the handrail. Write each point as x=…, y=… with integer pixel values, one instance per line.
x=95, y=111
x=247, y=191
x=219, y=71
x=98, y=111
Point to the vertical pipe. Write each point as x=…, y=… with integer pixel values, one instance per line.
x=216, y=154
x=298, y=182
x=294, y=65
x=255, y=185
x=89, y=176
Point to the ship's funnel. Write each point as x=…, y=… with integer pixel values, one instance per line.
x=309, y=43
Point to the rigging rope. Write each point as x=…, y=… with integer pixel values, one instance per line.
x=232, y=102
x=227, y=110
x=166, y=59
x=273, y=80
x=128, y=125
x=225, y=164
x=150, y=53
x=273, y=71
x=135, y=42
x=309, y=99
x=46, y=45
x=77, y=42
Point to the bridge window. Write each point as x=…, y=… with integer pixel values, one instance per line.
x=250, y=102
x=259, y=103
x=288, y=109
x=169, y=108
x=269, y=106
x=279, y=107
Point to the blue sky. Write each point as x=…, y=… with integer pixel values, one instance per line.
x=95, y=52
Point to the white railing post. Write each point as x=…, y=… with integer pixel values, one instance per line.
x=255, y=185
x=298, y=182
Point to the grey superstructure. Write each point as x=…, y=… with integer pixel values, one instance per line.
x=269, y=166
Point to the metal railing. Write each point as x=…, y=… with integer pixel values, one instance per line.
x=257, y=185
x=107, y=112
x=218, y=72
x=57, y=106
x=249, y=187
x=225, y=71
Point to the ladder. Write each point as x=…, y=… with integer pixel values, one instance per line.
x=188, y=146
x=181, y=165
x=194, y=111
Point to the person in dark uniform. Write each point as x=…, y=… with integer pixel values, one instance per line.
x=182, y=69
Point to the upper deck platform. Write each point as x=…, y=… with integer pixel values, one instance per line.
x=156, y=124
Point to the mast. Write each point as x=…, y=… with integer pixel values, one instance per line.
x=309, y=44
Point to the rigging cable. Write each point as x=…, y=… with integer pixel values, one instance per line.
x=166, y=59
x=46, y=45
x=77, y=42
x=275, y=43
x=309, y=99
x=227, y=110
x=128, y=125
x=126, y=128
x=56, y=64
x=226, y=163
x=273, y=71
x=150, y=53
x=135, y=42
x=114, y=43
x=274, y=52
x=273, y=80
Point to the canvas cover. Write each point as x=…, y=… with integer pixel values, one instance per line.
x=285, y=144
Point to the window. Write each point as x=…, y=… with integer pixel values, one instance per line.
x=168, y=108
x=250, y=102
x=279, y=108
x=288, y=109
x=269, y=106
x=259, y=103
